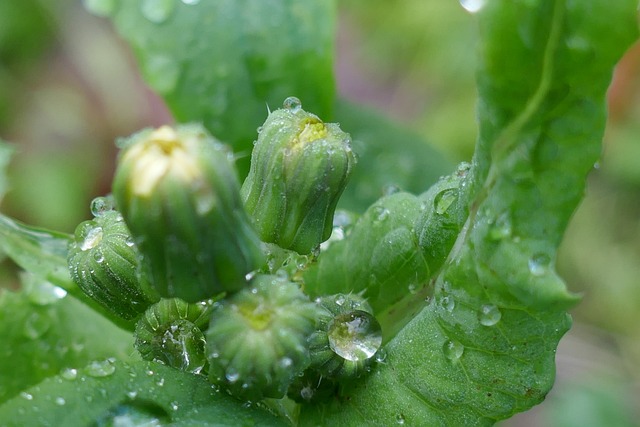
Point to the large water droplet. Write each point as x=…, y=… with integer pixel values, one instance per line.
x=36, y=326
x=101, y=205
x=489, y=315
x=60, y=401
x=292, y=104
x=539, y=264
x=103, y=8
x=355, y=336
x=92, y=239
x=134, y=413
x=453, y=350
x=157, y=11
x=162, y=72
x=472, y=6
x=183, y=347
x=444, y=200
x=102, y=368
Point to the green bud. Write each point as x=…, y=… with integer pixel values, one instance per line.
x=103, y=261
x=299, y=168
x=257, y=339
x=346, y=339
x=171, y=332
x=180, y=196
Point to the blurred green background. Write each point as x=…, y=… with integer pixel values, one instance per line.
x=69, y=87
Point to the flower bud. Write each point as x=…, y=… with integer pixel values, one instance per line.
x=180, y=196
x=103, y=261
x=346, y=338
x=171, y=332
x=257, y=338
x=299, y=168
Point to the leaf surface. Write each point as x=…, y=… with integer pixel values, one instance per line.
x=484, y=347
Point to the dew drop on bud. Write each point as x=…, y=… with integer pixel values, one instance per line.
x=102, y=368
x=292, y=104
x=355, y=335
x=92, y=239
x=100, y=205
x=539, y=264
x=380, y=213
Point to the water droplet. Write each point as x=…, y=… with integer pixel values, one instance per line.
x=232, y=375
x=489, y=315
x=381, y=356
x=190, y=2
x=132, y=394
x=35, y=326
x=400, y=419
x=101, y=205
x=539, y=264
x=380, y=213
x=390, y=189
x=129, y=242
x=453, y=350
x=448, y=303
x=292, y=104
x=472, y=6
x=463, y=169
x=174, y=406
x=102, y=368
x=43, y=293
x=412, y=288
x=157, y=11
x=92, y=239
x=160, y=382
x=355, y=336
x=60, y=401
x=103, y=8
x=98, y=256
x=501, y=228
x=26, y=396
x=444, y=200
x=69, y=374
x=162, y=72
x=340, y=300
x=149, y=372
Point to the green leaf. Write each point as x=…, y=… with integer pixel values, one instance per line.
x=388, y=156
x=225, y=62
x=43, y=332
x=484, y=347
x=105, y=393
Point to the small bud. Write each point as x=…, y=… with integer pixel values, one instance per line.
x=347, y=337
x=103, y=261
x=180, y=196
x=171, y=332
x=299, y=168
x=257, y=339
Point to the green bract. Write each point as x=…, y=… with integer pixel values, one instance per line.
x=179, y=194
x=299, y=168
x=257, y=339
x=103, y=262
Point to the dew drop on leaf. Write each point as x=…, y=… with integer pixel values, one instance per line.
x=102, y=8
x=355, y=335
x=448, y=303
x=60, y=401
x=539, y=264
x=26, y=396
x=472, y=6
x=69, y=374
x=444, y=200
x=489, y=315
x=232, y=375
x=100, y=368
x=157, y=11
x=453, y=350
x=292, y=104
x=36, y=326
x=381, y=356
x=501, y=227
x=400, y=419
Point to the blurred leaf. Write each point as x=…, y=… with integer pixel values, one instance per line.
x=484, y=348
x=43, y=332
x=143, y=393
x=6, y=151
x=225, y=62
x=388, y=155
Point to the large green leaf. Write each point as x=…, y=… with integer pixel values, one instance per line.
x=107, y=393
x=225, y=62
x=43, y=332
x=484, y=348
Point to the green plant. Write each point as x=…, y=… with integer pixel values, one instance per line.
x=459, y=276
